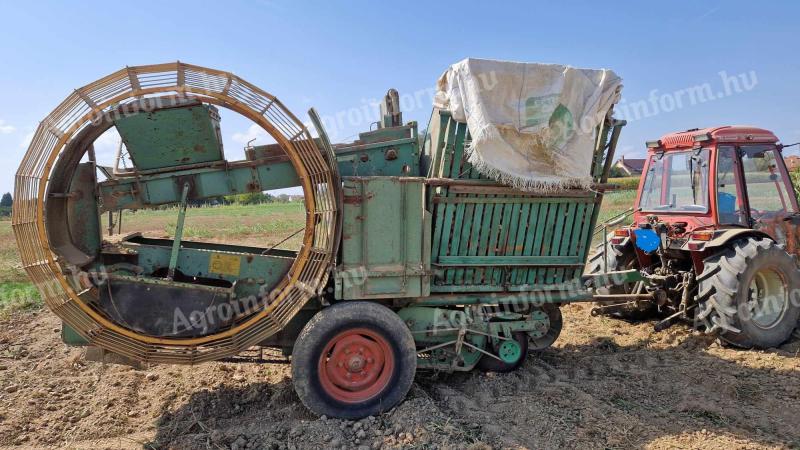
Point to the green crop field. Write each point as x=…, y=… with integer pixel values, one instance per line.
x=262, y=225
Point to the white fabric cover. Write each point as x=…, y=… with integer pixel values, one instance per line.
x=532, y=125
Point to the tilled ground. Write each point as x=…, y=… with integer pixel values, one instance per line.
x=605, y=384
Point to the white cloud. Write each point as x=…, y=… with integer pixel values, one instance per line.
x=26, y=140
x=253, y=132
x=105, y=146
x=6, y=128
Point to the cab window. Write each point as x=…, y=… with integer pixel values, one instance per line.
x=766, y=186
x=730, y=205
x=676, y=182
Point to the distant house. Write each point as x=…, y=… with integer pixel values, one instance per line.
x=792, y=162
x=630, y=167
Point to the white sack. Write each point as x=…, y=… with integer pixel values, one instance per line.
x=532, y=125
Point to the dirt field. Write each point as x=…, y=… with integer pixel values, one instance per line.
x=605, y=384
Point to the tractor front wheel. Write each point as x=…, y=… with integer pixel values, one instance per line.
x=353, y=360
x=747, y=294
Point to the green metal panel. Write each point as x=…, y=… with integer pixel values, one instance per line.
x=171, y=137
x=229, y=263
x=83, y=219
x=71, y=337
x=564, y=249
x=503, y=260
x=533, y=217
x=382, y=238
x=519, y=239
x=385, y=152
x=494, y=242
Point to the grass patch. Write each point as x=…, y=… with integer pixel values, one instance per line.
x=18, y=296
x=625, y=183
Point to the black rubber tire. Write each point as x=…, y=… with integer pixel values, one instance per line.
x=553, y=312
x=616, y=260
x=489, y=364
x=724, y=291
x=328, y=323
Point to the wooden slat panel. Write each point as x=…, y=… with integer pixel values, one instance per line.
x=504, y=190
x=518, y=241
x=441, y=157
x=547, y=241
x=458, y=225
x=466, y=234
x=474, y=239
x=502, y=240
x=580, y=218
x=530, y=234
x=558, y=237
x=441, y=237
x=494, y=236
x=541, y=225
x=586, y=232
x=503, y=260
x=483, y=244
x=455, y=240
x=565, y=240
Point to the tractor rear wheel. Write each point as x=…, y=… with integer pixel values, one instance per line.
x=747, y=293
x=353, y=360
x=617, y=260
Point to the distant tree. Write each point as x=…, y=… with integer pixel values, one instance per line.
x=7, y=201
x=616, y=172
x=249, y=198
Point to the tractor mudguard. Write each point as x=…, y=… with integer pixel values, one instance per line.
x=723, y=237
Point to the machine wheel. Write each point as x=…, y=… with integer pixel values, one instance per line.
x=553, y=312
x=507, y=350
x=745, y=294
x=615, y=261
x=353, y=360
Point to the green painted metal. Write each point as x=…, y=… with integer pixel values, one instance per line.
x=176, y=243
x=442, y=338
x=456, y=339
x=442, y=252
x=172, y=137
x=510, y=351
x=71, y=337
x=619, y=277
x=487, y=240
x=382, y=238
x=384, y=152
x=505, y=324
x=547, y=261
x=519, y=295
x=83, y=218
x=246, y=267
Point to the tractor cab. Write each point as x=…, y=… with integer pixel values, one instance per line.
x=717, y=178
x=713, y=240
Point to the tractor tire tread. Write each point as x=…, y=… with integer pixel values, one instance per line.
x=721, y=288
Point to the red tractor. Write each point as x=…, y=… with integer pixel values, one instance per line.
x=714, y=239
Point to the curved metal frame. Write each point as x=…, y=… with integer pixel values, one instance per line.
x=64, y=292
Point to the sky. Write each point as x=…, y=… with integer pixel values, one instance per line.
x=683, y=64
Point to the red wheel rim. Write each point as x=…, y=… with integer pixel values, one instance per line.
x=356, y=365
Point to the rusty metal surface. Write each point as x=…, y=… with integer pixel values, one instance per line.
x=67, y=295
